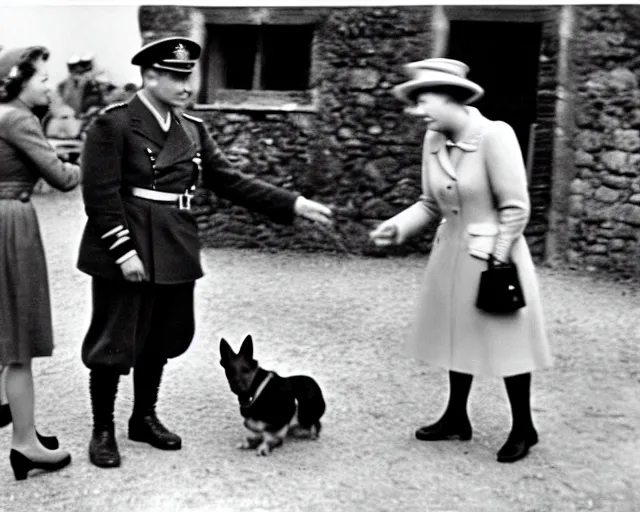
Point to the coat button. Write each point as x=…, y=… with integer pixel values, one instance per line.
x=449, y=187
x=24, y=196
x=455, y=211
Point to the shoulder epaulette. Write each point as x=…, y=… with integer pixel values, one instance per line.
x=113, y=106
x=193, y=118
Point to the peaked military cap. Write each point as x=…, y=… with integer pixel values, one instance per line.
x=79, y=64
x=175, y=54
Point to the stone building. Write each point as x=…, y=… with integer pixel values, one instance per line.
x=301, y=96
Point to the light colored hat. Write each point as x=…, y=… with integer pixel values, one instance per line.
x=433, y=73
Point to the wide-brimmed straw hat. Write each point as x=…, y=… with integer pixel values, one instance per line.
x=437, y=72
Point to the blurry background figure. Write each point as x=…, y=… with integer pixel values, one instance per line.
x=63, y=130
x=85, y=87
x=81, y=97
x=63, y=123
x=114, y=94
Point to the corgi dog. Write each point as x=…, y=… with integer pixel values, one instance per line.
x=272, y=406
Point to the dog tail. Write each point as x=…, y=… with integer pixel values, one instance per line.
x=311, y=404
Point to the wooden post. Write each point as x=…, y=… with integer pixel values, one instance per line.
x=563, y=165
x=440, y=31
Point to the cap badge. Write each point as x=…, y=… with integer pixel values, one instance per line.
x=181, y=52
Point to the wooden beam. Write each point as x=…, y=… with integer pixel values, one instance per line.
x=262, y=15
x=512, y=13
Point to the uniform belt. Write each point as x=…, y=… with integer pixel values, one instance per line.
x=15, y=190
x=182, y=201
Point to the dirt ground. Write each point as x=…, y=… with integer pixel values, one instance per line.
x=341, y=320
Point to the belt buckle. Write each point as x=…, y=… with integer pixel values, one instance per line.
x=184, y=200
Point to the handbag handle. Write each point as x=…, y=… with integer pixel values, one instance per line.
x=494, y=263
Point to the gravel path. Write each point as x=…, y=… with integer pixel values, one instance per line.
x=342, y=321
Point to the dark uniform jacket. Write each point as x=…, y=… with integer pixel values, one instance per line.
x=126, y=147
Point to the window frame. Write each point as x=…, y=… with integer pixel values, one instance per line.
x=255, y=99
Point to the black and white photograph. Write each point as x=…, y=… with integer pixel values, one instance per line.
x=325, y=257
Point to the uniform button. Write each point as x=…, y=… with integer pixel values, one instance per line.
x=449, y=187
x=455, y=211
x=24, y=196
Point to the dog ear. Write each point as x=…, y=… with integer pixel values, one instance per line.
x=225, y=351
x=246, y=349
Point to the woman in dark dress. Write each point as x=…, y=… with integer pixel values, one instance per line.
x=25, y=310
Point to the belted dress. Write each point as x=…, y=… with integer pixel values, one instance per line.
x=25, y=308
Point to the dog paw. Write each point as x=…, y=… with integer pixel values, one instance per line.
x=245, y=445
x=263, y=451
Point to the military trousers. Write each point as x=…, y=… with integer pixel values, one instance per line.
x=131, y=321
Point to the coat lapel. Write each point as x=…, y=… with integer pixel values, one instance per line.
x=438, y=148
x=469, y=143
x=445, y=163
x=144, y=124
x=178, y=147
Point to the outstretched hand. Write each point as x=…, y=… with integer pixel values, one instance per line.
x=385, y=234
x=312, y=210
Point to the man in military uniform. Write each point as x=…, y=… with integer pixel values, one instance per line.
x=85, y=87
x=140, y=164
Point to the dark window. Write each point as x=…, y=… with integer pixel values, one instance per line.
x=259, y=57
x=236, y=46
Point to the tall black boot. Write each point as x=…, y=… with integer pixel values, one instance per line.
x=103, y=449
x=523, y=434
x=144, y=425
x=454, y=423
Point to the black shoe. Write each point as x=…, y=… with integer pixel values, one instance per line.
x=103, y=449
x=21, y=464
x=446, y=430
x=5, y=415
x=517, y=446
x=148, y=429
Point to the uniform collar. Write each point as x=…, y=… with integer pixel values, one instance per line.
x=165, y=124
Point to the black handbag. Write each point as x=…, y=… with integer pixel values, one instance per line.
x=500, y=290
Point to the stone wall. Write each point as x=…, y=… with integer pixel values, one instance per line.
x=604, y=209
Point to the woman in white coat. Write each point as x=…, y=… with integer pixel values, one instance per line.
x=475, y=191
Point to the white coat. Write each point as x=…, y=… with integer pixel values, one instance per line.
x=480, y=194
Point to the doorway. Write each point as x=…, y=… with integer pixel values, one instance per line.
x=503, y=58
